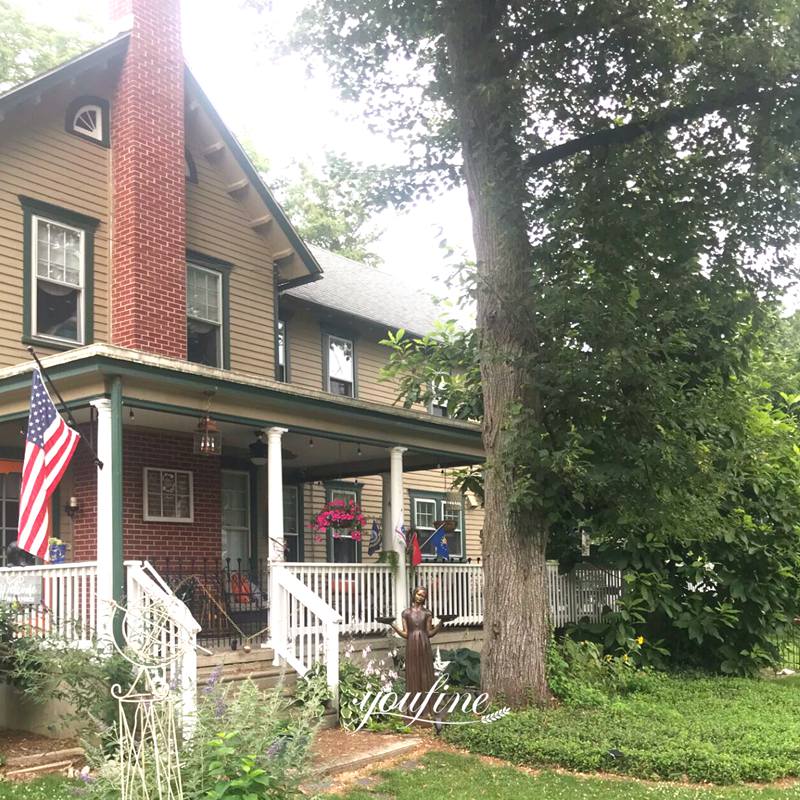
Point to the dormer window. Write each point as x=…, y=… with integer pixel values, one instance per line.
x=87, y=117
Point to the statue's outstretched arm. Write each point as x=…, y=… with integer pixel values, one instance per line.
x=401, y=631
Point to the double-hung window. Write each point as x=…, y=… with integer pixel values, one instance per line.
x=205, y=310
x=428, y=511
x=340, y=365
x=58, y=274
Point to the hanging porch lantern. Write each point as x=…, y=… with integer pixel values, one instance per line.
x=207, y=439
x=258, y=450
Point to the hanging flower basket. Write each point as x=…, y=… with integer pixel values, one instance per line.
x=341, y=518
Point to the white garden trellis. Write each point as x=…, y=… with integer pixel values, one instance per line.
x=156, y=644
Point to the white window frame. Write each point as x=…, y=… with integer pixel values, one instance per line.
x=146, y=515
x=329, y=337
x=35, y=220
x=98, y=133
x=280, y=336
x=439, y=505
x=221, y=324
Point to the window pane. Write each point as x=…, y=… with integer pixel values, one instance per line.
x=281, y=350
x=59, y=253
x=203, y=343
x=12, y=484
x=202, y=295
x=57, y=310
x=154, y=493
x=290, y=510
x=452, y=511
x=341, y=388
x=425, y=513
x=340, y=359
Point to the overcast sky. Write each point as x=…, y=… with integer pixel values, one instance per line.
x=289, y=115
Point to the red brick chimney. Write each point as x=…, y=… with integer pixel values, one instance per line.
x=148, y=277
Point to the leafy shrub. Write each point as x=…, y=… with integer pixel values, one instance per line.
x=717, y=729
x=464, y=668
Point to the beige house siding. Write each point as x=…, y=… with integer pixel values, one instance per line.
x=38, y=158
x=216, y=226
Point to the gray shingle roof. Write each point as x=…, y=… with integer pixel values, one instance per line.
x=371, y=293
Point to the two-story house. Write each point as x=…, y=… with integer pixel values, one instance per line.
x=226, y=373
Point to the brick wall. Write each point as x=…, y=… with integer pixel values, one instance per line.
x=148, y=281
x=140, y=449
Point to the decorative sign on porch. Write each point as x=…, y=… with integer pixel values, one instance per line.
x=21, y=588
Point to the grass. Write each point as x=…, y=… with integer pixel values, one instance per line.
x=452, y=776
x=719, y=730
x=50, y=787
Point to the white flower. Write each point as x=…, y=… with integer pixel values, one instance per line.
x=366, y=651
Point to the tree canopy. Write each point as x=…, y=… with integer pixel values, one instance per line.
x=633, y=177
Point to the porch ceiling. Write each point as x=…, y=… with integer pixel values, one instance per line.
x=169, y=394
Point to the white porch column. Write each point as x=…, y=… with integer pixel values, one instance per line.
x=275, y=493
x=277, y=614
x=401, y=595
x=105, y=522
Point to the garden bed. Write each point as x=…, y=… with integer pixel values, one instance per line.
x=719, y=730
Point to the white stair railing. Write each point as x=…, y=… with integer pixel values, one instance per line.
x=66, y=606
x=360, y=593
x=304, y=629
x=163, y=631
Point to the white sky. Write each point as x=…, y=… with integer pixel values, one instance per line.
x=289, y=115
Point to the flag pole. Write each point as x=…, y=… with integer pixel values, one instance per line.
x=71, y=419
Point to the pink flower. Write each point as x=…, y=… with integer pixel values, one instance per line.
x=356, y=536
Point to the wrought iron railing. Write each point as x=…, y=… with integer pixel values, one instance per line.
x=229, y=599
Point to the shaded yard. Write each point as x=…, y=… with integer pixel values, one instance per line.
x=720, y=730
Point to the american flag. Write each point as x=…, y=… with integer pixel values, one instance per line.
x=49, y=445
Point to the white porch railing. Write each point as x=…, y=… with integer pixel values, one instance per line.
x=304, y=628
x=587, y=592
x=359, y=593
x=163, y=629
x=68, y=606
x=453, y=590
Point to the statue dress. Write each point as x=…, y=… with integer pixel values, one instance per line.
x=418, y=623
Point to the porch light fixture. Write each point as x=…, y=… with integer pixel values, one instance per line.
x=207, y=440
x=72, y=506
x=258, y=450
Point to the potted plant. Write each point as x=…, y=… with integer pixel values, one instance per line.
x=57, y=550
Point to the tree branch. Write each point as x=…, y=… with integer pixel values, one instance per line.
x=624, y=134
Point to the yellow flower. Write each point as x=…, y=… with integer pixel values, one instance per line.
x=640, y=640
x=625, y=658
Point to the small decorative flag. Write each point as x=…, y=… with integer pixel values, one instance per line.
x=416, y=553
x=400, y=530
x=375, y=539
x=439, y=541
x=49, y=445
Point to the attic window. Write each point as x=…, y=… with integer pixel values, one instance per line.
x=87, y=117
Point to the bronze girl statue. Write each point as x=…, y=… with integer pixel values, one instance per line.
x=417, y=630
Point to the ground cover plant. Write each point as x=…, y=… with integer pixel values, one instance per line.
x=453, y=775
x=673, y=727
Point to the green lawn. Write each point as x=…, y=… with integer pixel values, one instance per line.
x=51, y=787
x=444, y=775
x=719, y=730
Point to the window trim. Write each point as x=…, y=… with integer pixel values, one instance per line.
x=37, y=209
x=278, y=322
x=342, y=486
x=346, y=335
x=147, y=517
x=105, y=126
x=223, y=269
x=440, y=498
x=301, y=534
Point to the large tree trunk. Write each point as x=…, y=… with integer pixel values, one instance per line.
x=516, y=621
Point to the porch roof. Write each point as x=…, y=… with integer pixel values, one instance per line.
x=176, y=386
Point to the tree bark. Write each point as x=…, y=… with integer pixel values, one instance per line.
x=516, y=621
